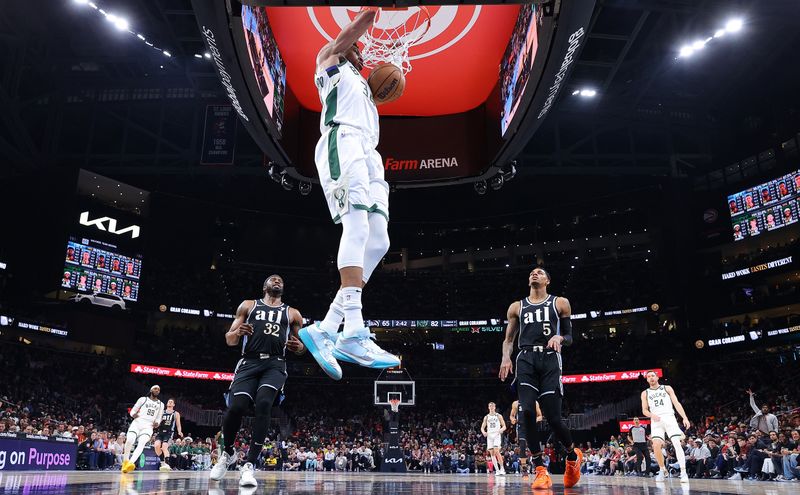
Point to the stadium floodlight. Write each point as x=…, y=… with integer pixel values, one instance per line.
x=207, y=55
x=719, y=33
x=698, y=45
x=168, y=54
x=588, y=93
x=734, y=25
x=82, y=2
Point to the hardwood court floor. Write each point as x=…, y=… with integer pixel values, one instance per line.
x=285, y=483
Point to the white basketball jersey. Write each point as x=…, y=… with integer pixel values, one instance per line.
x=493, y=423
x=659, y=402
x=346, y=100
x=151, y=409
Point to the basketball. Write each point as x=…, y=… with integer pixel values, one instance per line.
x=386, y=81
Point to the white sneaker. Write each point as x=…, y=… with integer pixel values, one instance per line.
x=660, y=476
x=502, y=472
x=736, y=477
x=321, y=346
x=221, y=467
x=684, y=477
x=362, y=350
x=247, y=476
x=164, y=467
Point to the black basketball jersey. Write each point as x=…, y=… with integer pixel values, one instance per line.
x=167, y=422
x=270, y=329
x=537, y=322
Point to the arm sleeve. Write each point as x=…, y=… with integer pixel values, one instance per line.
x=137, y=406
x=753, y=404
x=566, y=330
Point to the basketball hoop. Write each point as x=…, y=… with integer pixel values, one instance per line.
x=394, y=404
x=394, y=31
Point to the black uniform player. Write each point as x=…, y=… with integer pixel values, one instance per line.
x=521, y=437
x=541, y=325
x=170, y=421
x=269, y=327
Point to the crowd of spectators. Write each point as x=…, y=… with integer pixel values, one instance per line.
x=80, y=396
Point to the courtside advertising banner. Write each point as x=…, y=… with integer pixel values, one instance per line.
x=24, y=452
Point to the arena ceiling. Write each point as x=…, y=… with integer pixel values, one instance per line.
x=75, y=94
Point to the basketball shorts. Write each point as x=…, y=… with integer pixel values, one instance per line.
x=541, y=371
x=666, y=428
x=140, y=427
x=351, y=173
x=493, y=441
x=164, y=436
x=252, y=373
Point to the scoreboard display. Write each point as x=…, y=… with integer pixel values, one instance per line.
x=765, y=207
x=92, y=266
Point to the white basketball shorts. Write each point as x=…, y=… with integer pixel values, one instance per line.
x=351, y=172
x=666, y=428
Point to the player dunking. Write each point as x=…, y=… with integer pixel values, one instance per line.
x=492, y=428
x=269, y=327
x=146, y=414
x=659, y=404
x=514, y=416
x=351, y=175
x=541, y=325
x=170, y=421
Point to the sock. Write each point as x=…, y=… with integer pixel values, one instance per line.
x=335, y=315
x=129, y=443
x=679, y=453
x=351, y=303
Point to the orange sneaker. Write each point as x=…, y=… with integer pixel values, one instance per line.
x=572, y=473
x=542, y=480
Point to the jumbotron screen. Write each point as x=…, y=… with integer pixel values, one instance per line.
x=515, y=67
x=266, y=61
x=765, y=207
x=92, y=266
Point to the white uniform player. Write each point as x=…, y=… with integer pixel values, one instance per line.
x=659, y=403
x=492, y=428
x=147, y=414
x=351, y=175
x=350, y=169
x=493, y=440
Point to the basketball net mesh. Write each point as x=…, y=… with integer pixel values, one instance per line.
x=392, y=34
x=395, y=405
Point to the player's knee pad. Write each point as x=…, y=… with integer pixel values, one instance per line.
x=378, y=242
x=353, y=244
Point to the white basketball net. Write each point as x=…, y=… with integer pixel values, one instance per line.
x=395, y=405
x=392, y=34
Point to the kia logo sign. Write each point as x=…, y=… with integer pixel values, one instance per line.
x=394, y=461
x=108, y=224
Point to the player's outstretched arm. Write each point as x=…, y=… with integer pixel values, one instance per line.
x=678, y=406
x=512, y=329
x=178, y=424
x=539, y=415
x=348, y=36
x=294, y=343
x=239, y=327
